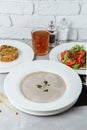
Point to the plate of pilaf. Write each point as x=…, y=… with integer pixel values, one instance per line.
x=13, y=53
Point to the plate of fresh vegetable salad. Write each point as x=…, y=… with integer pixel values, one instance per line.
x=72, y=54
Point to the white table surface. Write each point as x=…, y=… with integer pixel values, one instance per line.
x=73, y=119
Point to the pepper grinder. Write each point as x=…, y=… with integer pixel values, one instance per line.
x=53, y=34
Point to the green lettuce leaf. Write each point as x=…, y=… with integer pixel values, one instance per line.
x=76, y=66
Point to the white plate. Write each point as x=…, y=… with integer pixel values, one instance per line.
x=73, y=89
x=25, y=54
x=54, y=54
x=45, y=113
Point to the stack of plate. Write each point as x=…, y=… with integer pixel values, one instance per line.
x=16, y=97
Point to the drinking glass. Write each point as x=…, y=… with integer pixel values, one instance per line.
x=40, y=41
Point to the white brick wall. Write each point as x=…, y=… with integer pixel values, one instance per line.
x=5, y=21
x=18, y=17
x=57, y=8
x=12, y=7
x=31, y=20
x=15, y=33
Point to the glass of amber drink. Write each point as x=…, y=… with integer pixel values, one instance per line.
x=40, y=40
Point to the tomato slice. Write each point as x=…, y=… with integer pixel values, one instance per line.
x=80, y=57
x=70, y=62
x=80, y=60
x=82, y=53
x=63, y=54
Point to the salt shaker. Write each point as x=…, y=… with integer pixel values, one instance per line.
x=63, y=30
x=53, y=34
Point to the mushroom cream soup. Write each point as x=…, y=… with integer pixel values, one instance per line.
x=43, y=87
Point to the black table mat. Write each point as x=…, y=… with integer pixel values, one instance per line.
x=82, y=100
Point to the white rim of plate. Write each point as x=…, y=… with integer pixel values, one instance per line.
x=55, y=52
x=25, y=54
x=72, y=80
x=45, y=113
